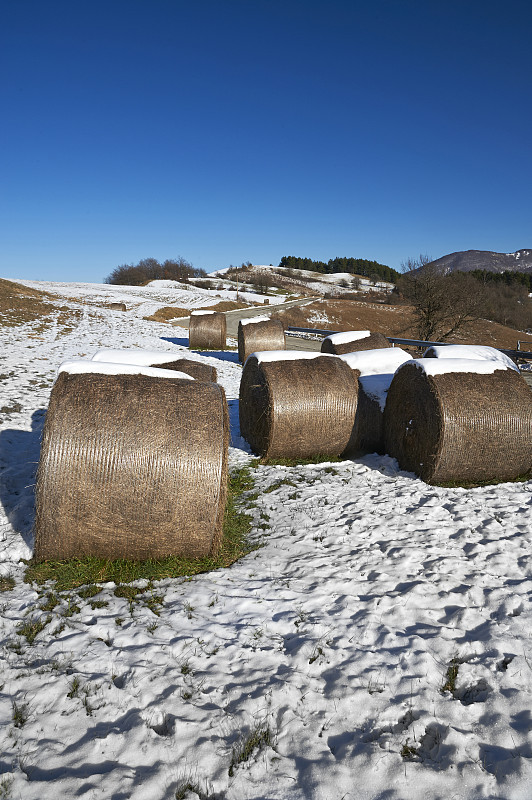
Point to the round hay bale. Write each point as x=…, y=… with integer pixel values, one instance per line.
x=207, y=330
x=257, y=334
x=375, y=370
x=160, y=359
x=132, y=467
x=469, y=425
x=471, y=351
x=297, y=407
x=118, y=307
x=351, y=342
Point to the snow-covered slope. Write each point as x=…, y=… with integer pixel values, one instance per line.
x=371, y=592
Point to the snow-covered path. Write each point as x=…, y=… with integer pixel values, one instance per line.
x=332, y=641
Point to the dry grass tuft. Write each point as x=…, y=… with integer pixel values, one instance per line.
x=168, y=312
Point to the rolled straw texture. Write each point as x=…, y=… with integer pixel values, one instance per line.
x=118, y=306
x=459, y=427
x=298, y=408
x=207, y=331
x=197, y=370
x=132, y=467
x=374, y=341
x=254, y=337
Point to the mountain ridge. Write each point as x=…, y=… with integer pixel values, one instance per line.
x=468, y=260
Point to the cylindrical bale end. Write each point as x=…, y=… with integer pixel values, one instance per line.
x=462, y=427
x=297, y=408
x=207, y=331
x=337, y=347
x=257, y=336
x=132, y=467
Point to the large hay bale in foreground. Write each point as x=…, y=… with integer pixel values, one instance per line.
x=207, y=330
x=352, y=342
x=297, y=405
x=118, y=307
x=375, y=369
x=459, y=421
x=160, y=359
x=132, y=466
x=257, y=334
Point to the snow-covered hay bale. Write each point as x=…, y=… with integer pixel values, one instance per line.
x=463, y=421
x=207, y=330
x=257, y=334
x=375, y=369
x=352, y=342
x=475, y=351
x=159, y=359
x=297, y=405
x=118, y=307
x=132, y=466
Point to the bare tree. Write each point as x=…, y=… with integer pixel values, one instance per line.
x=444, y=304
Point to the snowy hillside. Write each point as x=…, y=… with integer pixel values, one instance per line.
x=376, y=647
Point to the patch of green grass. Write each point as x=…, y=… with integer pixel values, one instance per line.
x=259, y=737
x=50, y=602
x=451, y=676
x=6, y=782
x=31, y=628
x=73, y=573
x=278, y=484
x=89, y=591
x=409, y=752
x=299, y=462
x=99, y=604
x=480, y=484
x=75, y=686
x=186, y=785
x=20, y=714
x=7, y=582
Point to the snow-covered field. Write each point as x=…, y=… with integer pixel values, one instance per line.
x=331, y=643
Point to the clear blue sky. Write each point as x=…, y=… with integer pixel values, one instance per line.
x=232, y=130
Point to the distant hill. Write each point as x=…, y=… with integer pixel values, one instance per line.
x=468, y=260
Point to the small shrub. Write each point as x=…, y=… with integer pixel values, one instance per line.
x=259, y=737
x=7, y=582
x=21, y=714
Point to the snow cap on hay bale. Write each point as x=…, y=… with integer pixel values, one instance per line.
x=160, y=359
x=297, y=405
x=259, y=333
x=474, y=351
x=376, y=369
x=353, y=341
x=118, y=307
x=82, y=366
x=207, y=329
x=110, y=485
x=459, y=420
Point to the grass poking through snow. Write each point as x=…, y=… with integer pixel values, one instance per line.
x=73, y=573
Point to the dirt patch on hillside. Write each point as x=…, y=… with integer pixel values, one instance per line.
x=398, y=321
x=168, y=312
x=20, y=304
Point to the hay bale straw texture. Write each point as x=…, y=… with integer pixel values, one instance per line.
x=459, y=426
x=118, y=307
x=158, y=360
x=376, y=369
x=372, y=342
x=207, y=331
x=132, y=467
x=259, y=334
x=297, y=408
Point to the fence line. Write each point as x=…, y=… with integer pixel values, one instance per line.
x=526, y=355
